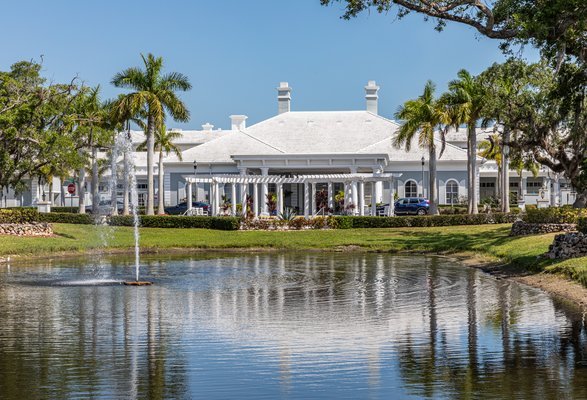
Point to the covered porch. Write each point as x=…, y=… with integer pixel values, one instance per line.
x=255, y=188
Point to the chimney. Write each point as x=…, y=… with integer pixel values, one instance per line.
x=207, y=127
x=283, y=98
x=238, y=122
x=371, y=96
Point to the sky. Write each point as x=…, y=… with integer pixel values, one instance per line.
x=236, y=52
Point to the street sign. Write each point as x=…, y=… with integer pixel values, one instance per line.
x=71, y=188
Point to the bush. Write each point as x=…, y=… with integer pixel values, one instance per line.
x=345, y=222
x=177, y=221
x=582, y=225
x=66, y=218
x=553, y=215
x=73, y=210
x=18, y=215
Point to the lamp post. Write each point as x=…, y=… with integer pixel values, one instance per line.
x=195, y=170
x=423, y=162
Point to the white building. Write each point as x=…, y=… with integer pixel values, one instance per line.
x=298, y=153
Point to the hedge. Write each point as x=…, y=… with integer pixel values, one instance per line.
x=177, y=221
x=347, y=222
x=553, y=215
x=73, y=210
x=582, y=225
x=66, y=218
x=18, y=215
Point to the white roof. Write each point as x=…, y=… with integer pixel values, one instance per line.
x=330, y=132
x=460, y=135
x=187, y=136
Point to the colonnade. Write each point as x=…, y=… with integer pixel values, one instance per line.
x=257, y=187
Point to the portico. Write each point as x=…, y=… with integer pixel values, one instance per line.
x=257, y=185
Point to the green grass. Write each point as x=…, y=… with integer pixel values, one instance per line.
x=488, y=241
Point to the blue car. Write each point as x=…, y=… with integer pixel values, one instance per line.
x=412, y=205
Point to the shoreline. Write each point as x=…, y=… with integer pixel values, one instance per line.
x=557, y=286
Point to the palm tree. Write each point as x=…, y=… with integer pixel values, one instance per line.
x=155, y=93
x=93, y=117
x=424, y=116
x=467, y=98
x=164, y=144
x=492, y=149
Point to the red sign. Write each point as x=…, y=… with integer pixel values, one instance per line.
x=71, y=188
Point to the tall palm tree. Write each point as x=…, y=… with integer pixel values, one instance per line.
x=94, y=119
x=164, y=144
x=492, y=149
x=467, y=98
x=424, y=116
x=156, y=93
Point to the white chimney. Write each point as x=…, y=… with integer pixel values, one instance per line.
x=371, y=96
x=283, y=98
x=207, y=126
x=238, y=122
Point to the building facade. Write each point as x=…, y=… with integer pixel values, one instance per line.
x=297, y=154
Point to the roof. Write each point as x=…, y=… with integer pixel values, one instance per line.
x=329, y=132
x=460, y=135
x=187, y=136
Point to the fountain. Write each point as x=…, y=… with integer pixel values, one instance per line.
x=123, y=146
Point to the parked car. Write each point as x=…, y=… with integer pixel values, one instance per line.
x=182, y=207
x=105, y=207
x=412, y=205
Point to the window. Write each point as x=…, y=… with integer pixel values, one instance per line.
x=142, y=186
x=533, y=187
x=514, y=184
x=487, y=184
x=411, y=189
x=452, y=192
x=414, y=201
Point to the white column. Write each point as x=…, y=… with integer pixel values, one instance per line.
x=212, y=198
x=256, y=199
x=306, y=199
x=264, y=192
x=313, y=198
x=354, y=196
x=216, y=198
x=244, y=198
x=361, y=198
x=279, y=195
x=188, y=197
x=391, y=199
x=233, y=199
x=331, y=196
x=373, y=200
x=378, y=192
x=556, y=192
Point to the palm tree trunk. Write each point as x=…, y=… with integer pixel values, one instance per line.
x=95, y=181
x=505, y=171
x=150, y=154
x=50, y=191
x=433, y=181
x=82, y=190
x=161, y=207
x=62, y=190
x=471, y=169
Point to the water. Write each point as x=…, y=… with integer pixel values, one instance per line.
x=341, y=326
x=123, y=147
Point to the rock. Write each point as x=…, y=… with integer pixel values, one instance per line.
x=521, y=228
x=33, y=229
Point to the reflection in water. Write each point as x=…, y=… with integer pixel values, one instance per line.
x=289, y=325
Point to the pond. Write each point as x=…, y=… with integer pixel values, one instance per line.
x=290, y=325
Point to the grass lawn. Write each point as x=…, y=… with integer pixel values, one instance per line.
x=487, y=241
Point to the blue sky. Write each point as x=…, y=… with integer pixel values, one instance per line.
x=236, y=52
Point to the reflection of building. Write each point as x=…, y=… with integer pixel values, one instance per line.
x=419, y=324
x=344, y=151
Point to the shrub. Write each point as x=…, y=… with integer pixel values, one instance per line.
x=347, y=222
x=553, y=215
x=18, y=215
x=582, y=225
x=297, y=223
x=65, y=209
x=177, y=221
x=66, y=218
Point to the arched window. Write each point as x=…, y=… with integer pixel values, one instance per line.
x=452, y=192
x=411, y=189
